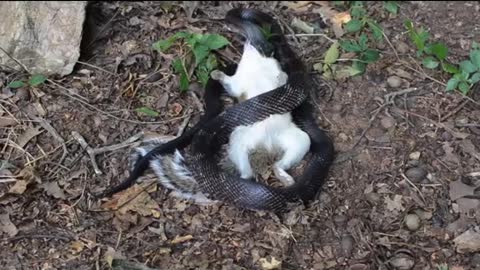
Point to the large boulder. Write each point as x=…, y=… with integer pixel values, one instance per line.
x=44, y=36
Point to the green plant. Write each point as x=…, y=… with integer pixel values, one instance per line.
x=199, y=56
x=434, y=54
x=34, y=80
x=363, y=32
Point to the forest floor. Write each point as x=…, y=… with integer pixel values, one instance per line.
x=403, y=193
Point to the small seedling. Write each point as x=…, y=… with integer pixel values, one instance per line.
x=199, y=55
x=34, y=80
x=365, y=32
x=434, y=54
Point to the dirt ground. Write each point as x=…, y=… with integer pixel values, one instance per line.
x=402, y=194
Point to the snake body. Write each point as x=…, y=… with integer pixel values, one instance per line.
x=199, y=165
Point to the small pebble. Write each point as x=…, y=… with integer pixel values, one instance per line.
x=416, y=174
x=412, y=222
x=446, y=136
x=387, y=122
x=414, y=155
x=394, y=81
x=402, y=262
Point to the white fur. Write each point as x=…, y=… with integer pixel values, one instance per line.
x=256, y=75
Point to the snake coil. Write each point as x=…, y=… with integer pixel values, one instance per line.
x=213, y=130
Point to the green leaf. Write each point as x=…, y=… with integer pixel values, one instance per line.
x=370, y=56
x=332, y=54
x=215, y=41
x=359, y=66
x=468, y=66
x=37, y=79
x=475, y=46
x=475, y=58
x=430, y=62
x=180, y=68
x=362, y=41
x=439, y=50
x=475, y=78
x=16, y=84
x=211, y=63
x=164, y=45
x=350, y=46
x=391, y=6
x=353, y=26
x=464, y=87
x=147, y=111
x=377, y=30
x=452, y=84
x=202, y=75
x=201, y=52
x=418, y=37
x=449, y=68
x=358, y=12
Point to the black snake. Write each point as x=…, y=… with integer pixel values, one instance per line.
x=208, y=136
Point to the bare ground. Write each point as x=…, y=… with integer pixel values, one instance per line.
x=416, y=157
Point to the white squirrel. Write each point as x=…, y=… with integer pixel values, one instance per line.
x=257, y=74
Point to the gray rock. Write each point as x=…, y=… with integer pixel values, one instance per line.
x=416, y=174
x=394, y=81
x=44, y=36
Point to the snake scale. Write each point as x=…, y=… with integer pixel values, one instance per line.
x=207, y=137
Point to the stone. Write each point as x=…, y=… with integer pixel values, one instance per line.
x=44, y=36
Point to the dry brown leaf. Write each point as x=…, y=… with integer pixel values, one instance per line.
x=19, y=187
x=7, y=121
x=468, y=242
x=459, y=190
x=135, y=199
x=76, y=247
x=176, y=109
x=29, y=174
x=29, y=134
x=7, y=226
x=54, y=190
x=181, y=239
x=298, y=6
x=112, y=254
x=269, y=265
x=450, y=155
x=337, y=19
x=395, y=204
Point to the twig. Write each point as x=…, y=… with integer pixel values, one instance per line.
x=92, y=152
x=437, y=81
x=7, y=180
x=440, y=125
x=312, y=35
x=390, y=96
x=454, y=111
x=15, y=60
x=414, y=186
x=474, y=174
x=370, y=122
x=111, y=115
x=55, y=135
x=128, y=142
x=391, y=45
x=196, y=101
x=99, y=68
x=182, y=127
x=467, y=125
x=86, y=147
